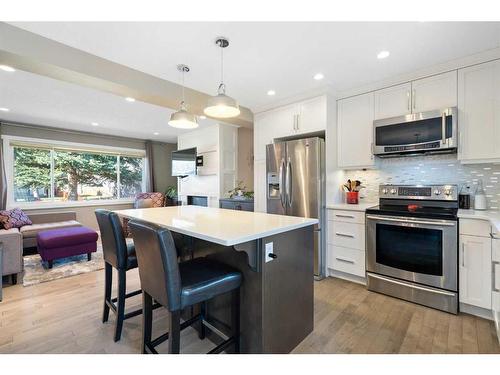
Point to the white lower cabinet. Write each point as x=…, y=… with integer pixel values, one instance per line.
x=495, y=294
x=475, y=271
x=346, y=242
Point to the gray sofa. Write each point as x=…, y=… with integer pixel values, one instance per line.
x=15, y=240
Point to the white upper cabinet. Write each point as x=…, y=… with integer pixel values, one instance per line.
x=300, y=118
x=312, y=115
x=479, y=112
x=426, y=94
x=393, y=101
x=435, y=92
x=355, y=131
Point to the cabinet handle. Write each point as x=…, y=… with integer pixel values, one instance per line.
x=372, y=155
x=414, y=98
x=463, y=255
x=443, y=130
x=345, y=216
x=295, y=120
x=408, y=96
x=298, y=122
x=344, y=235
x=345, y=260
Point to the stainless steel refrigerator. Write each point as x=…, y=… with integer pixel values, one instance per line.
x=295, y=186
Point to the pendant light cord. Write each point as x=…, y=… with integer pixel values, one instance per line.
x=183, y=95
x=222, y=86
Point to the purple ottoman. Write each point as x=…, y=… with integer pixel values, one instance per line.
x=66, y=242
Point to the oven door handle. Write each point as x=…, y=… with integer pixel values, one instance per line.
x=411, y=221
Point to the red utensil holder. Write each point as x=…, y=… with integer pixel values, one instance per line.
x=352, y=197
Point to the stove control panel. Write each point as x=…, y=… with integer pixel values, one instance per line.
x=420, y=192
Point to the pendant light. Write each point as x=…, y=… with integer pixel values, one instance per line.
x=221, y=105
x=182, y=119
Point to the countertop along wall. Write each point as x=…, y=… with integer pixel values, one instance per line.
x=85, y=214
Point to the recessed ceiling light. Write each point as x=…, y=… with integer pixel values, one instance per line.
x=129, y=99
x=94, y=123
x=4, y=109
x=318, y=76
x=7, y=68
x=156, y=133
x=383, y=54
x=203, y=117
x=271, y=92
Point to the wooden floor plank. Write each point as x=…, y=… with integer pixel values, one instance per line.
x=64, y=316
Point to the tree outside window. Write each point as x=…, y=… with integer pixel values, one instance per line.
x=67, y=175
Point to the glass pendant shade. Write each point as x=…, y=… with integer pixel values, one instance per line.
x=182, y=119
x=222, y=106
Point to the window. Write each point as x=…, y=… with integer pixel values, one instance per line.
x=43, y=174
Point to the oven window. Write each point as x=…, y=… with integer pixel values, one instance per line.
x=422, y=131
x=417, y=250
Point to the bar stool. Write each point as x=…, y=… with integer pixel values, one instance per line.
x=177, y=285
x=121, y=256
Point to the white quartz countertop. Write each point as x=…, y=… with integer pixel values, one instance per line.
x=492, y=216
x=221, y=226
x=363, y=206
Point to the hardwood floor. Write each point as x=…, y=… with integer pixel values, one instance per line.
x=64, y=316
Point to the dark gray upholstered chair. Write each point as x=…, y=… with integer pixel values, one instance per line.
x=177, y=285
x=121, y=256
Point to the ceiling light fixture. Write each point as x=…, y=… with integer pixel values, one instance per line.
x=383, y=54
x=130, y=99
x=221, y=105
x=94, y=123
x=318, y=76
x=7, y=68
x=271, y=93
x=4, y=109
x=182, y=118
x=156, y=133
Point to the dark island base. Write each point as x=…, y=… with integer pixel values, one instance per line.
x=276, y=297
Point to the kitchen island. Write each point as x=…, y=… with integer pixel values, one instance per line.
x=275, y=255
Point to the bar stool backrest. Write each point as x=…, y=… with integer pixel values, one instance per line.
x=113, y=241
x=158, y=264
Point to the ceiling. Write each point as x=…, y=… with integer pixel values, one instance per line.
x=282, y=56
x=261, y=57
x=35, y=99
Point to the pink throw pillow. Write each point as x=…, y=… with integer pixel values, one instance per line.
x=15, y=218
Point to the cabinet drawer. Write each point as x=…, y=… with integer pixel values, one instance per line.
x=473, y=227
x=347, y=216
x=347, y=235
x=347, y=260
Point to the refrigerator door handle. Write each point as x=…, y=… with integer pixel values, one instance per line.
x=282, y=183
x=289, y=182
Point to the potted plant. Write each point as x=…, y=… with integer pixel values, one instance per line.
x=171, y=196
x=240, y=192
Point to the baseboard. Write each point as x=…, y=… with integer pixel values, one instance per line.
x=347, y=276
x=476, y=311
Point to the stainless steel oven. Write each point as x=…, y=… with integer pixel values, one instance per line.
x=412, y=245
x=425, y=132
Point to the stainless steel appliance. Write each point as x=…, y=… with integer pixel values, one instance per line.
x=412, y=245
x=296, y=186
x=425, y=132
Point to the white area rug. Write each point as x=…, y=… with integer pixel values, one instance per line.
x=35, y=272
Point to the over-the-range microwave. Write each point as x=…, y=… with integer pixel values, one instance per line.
x=426, y=132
